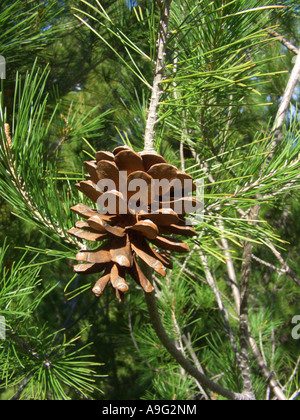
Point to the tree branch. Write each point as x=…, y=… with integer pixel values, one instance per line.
x=244, y=322
x=179, y=357
x=285, y=103
x=283, y=41
x=37, y=216
x=248, y=247
x=285, y=270
x=213, y=286
x=187, y=342
x=285, y=266
x=267, y=374
x=158, y=76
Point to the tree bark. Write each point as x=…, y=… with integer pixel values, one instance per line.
x=158, y=76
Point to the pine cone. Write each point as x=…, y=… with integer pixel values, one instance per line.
x=127, y=232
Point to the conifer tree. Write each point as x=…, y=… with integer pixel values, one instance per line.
x=210, y=88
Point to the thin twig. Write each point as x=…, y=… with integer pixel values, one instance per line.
x=269, y=265
x=267, y=374
x=187, y=342
x=285, y=266
x=295, y=395
x=294, y=373
x=229, y=262
x=65, y=135
x=23, y=385
x=225, y=246
x=215, y=289
x=230, y=268
x=285, y=103
x=177, y=96
x=283, y=41
x=182, y=160
x=178, y=341
x=204, y=281
x=229, y=119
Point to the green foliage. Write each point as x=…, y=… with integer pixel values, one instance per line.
x=29, y=170
x=41, y=364
x=27, y=27
x=223, y=81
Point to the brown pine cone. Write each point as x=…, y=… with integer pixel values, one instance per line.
x=126, y=233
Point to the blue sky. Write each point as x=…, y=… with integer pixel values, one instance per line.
x=132, y=3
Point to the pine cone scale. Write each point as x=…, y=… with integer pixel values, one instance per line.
x=171, y=244
x=129, y=161
x=89, y=268
x=88, y=236
x=143, y=251
x=140, y=278
x=99, y=257
x=121, y=253
x=146, y=227
x=100, y=285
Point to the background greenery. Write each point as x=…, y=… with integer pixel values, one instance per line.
x=78, y=78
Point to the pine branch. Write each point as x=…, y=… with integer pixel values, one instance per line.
x=149, y=147
x=187, y=342
x=179, y=357
x=285, y=270
x=17, y=180
x=284, y=41
x=225, y=246
x=229, y=263
x=285, y=103
x=64, y=137
x=294, y=373
x=158, y=76
x=244, y=322
x=22, y=386
x=248, y=246
x=136, y=344
x=18, y=183
x=267, y=374
x=213, y=286
x=285, y=266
